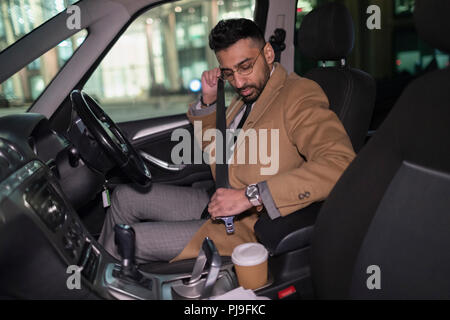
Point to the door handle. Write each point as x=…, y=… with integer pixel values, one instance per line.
x=161, y=163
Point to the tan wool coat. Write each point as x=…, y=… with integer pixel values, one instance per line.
x=298, y=109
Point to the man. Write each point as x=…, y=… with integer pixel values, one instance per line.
x=312, y=145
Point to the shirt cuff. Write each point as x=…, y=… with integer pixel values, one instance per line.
x=267, y=200
x=197, y=110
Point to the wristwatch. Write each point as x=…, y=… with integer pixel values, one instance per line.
x=252, y=194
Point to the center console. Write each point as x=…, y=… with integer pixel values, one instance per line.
x=202, y=283
x=61, y=241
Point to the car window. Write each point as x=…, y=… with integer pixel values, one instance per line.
x=19, y=91
x=154, y=68
x=19, y=17
x=391, y=52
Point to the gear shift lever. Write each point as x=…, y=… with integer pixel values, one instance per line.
x=125, y=240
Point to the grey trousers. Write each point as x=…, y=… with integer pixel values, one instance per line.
x=164, y=219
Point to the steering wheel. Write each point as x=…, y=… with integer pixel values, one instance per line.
x=111, y=138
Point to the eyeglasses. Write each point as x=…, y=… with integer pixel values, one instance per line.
x=244, y=69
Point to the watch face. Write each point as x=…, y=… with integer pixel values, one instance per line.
x=252, y=191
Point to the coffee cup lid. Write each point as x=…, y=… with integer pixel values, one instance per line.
x=249, y=254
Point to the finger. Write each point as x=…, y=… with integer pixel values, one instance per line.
x=215, y=210
x=218, y=72
x=214, y=213
x=207, y=81
x=205, y=78
x=219, y=211
x=213, y=207
x=212, y=78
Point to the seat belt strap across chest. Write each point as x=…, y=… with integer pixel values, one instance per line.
x=221, y=126
x=221, y=153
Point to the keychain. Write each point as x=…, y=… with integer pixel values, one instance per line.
x=105, y=197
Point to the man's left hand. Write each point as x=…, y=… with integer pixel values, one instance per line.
x=228, y=202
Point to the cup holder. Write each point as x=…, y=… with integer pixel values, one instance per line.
x=183, y=290
x=202, y=285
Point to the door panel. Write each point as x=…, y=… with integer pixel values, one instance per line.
x=153, y=137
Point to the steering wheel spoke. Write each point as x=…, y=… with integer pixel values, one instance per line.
x=115, y=144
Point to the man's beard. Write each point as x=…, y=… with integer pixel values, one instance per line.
x=253, y=97
x=257, y=89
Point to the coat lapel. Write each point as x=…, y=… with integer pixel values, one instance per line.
x=266, y=98
x=233, y=110
x=268, y=95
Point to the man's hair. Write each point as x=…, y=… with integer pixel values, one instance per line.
x=228, y=32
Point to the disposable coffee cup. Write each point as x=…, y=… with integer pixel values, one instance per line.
x=250, y=262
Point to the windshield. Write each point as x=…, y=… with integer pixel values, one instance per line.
x=18, y=18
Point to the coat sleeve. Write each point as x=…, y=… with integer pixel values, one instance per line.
x=202, y=120
x=207, y=118
x=321, y=139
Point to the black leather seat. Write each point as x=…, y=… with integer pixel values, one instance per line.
x=325, y=34
x=390, y=209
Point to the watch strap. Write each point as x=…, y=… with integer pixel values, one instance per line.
x=206, y=104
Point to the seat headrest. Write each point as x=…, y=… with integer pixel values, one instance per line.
x=327, y=33
x=432, y=22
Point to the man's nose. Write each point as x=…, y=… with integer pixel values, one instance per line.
x=239, y=81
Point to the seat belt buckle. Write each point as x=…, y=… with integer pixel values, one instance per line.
x=229, y=224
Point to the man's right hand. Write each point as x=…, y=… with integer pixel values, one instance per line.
x=209, y=85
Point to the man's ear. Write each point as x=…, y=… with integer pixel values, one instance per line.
x=269, y=53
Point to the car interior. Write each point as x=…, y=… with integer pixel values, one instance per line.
x=64, y=151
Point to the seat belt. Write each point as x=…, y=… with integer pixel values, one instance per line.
x=221, y=126
x=277, y=42
x=221, y=166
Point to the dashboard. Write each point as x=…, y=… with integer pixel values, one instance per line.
x=41, y=234
x=44, y=245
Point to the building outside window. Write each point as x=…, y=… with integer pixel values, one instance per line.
x=17, y=18
x=155, y=66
